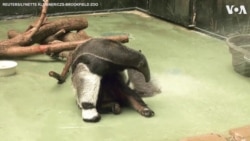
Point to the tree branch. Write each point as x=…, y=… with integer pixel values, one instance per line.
x=18, y=51
x=26, y=38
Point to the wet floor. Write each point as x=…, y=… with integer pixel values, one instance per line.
x=200, y=91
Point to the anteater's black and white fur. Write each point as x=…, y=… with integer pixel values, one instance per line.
x=99, y=70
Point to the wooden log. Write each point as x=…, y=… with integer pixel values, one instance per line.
x=13, y=33
x=75, y=36
x=68, y=24
x=53, y=37
x=18, y=51
x=26, y=37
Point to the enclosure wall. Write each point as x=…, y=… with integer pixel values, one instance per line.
x=211, y=15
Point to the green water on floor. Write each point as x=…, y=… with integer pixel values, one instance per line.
x=200, y=91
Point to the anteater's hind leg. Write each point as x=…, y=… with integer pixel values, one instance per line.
x=108, y=99
x=107, y=107
x=137, y=103
x=131, y=96
x=87, y=87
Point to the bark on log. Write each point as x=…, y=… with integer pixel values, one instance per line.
x=26, y=38
x=72, y=36
x=54, y=37
x=18, y=51
x=13, y=33
x=62, y=77
x=68, y=24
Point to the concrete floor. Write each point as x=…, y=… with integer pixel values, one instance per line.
x=200, y=91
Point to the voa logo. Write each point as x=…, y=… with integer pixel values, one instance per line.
x=231, y=9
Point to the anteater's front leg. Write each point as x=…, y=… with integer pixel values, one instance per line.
x=87, y=87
